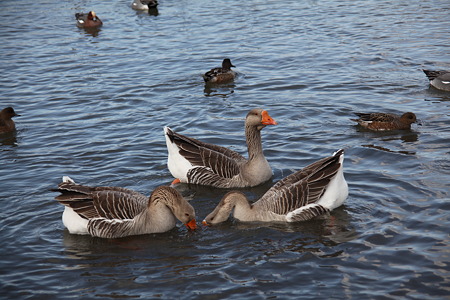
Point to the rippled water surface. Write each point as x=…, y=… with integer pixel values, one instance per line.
x=93, y=105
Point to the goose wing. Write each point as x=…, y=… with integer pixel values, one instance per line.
x=101, y=202
x=220, y=160
x=301, y=188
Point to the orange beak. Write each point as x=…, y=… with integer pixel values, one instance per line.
x=267, y=120
x=205, y=223
x=192, y=225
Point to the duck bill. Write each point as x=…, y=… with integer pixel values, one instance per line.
x=205, y=223
x=191, y=225
x=267, y=120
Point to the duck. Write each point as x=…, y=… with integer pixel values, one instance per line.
x=6, y=122
x=88, y=21
x=195, y=162
x=385, y=121
x=144, y=4
x=221, y=75
x=439, y=79
x=115, y=212
x=306, y=194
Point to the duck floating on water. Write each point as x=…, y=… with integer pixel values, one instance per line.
x=6, y=122
x=220, y=75
x=88, y=21
x=385, y=121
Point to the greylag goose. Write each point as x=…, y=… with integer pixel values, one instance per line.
x=385, y=121
x=439, y=79
x=6, y=122
x=196, y=162
x=221, y=75
x=313, y=191
x=89, y=20
x=113, y=212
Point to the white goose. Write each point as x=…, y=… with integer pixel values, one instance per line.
x=313, y=191
x=113, y=212
x=196, y=162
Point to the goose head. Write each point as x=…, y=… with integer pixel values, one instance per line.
x=259, y=118
x=181, y=209
x=225, y=207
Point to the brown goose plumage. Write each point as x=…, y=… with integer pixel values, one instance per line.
x=313, y=191
x=385, y=121
x=113, y=212
x=196, y=162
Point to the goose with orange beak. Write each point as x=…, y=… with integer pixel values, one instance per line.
x=196, y=162
x=114, y=212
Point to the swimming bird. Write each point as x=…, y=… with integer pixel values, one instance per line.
x=385, y=121
x=6, y=122
x=113, y=212
x=313, y=191
x=221, y=75
x=196, y=162
x=144, y=4
x=439, y=79
x=88, y=21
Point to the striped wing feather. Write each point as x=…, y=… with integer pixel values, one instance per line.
x=300, y=188
x=220, y=160
x=101, y=202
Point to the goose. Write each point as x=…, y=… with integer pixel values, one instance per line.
x=89, y=20
x=385, y=121
x=221, y=75
x=6, y=122
x=144, y=4
x=114, y=212
x=439, y=79
x=311, y=192
x=192, y=161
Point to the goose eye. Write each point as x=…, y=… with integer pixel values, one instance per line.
x=186, y=214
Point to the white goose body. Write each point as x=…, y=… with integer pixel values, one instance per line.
x=196, y=162
x=313, y=191
x=113, y=212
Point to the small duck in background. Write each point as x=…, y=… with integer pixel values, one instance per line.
x=439, y=79
x=6, y=122
x=88, y=21
x=144, y=4
x=385, y=121
x=221, y=75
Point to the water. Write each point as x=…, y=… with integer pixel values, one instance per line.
x=93, y=107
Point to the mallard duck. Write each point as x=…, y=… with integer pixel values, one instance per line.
x=385, y=121
x=311, y=192
x=221, y=75
x=196, y=162
x=439, y=79
x=88, y=21
x=144, y=4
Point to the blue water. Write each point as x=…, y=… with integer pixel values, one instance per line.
x=93, y=106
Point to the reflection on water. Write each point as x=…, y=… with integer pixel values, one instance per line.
x=8, y=139
x=221, y=90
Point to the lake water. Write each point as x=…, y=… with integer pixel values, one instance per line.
x=93, y=106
